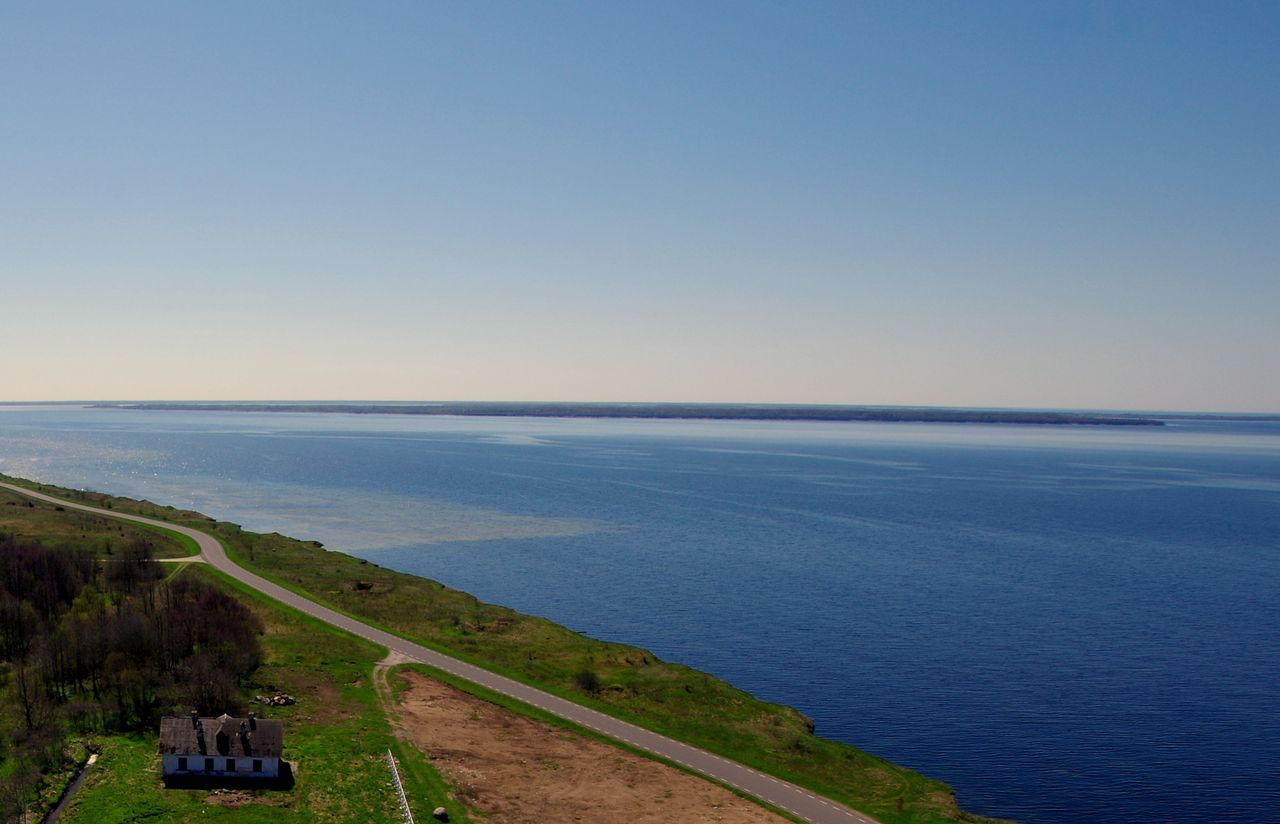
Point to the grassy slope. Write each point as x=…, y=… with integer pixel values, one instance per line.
x=633, y=684
x=36, y=521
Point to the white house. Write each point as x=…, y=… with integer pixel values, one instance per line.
x=222, y=747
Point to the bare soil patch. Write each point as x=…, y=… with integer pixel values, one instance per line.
x=514, y=770
x=234, y=799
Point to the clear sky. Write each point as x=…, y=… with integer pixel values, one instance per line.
x=988, y=204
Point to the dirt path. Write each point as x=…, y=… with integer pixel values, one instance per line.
x=382, y=686
x=70, y=791
x=514, y=770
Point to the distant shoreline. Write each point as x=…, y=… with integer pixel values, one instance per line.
x=672, y=411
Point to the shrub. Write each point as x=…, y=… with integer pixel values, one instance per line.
x=588, y=681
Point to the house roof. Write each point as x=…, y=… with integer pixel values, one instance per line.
x=263, y=739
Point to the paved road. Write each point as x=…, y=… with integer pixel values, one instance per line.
x=781, y=794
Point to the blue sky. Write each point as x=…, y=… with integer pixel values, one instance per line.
x=995, y=204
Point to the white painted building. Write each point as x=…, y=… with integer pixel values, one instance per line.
x=222, y=747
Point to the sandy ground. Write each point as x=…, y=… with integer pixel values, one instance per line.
x=514, y=770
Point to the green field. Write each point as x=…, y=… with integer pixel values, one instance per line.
x=624, y=681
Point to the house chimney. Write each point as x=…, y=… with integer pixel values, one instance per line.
x=195, y=719
x=253, y=721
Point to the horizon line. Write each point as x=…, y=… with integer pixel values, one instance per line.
x=753, y=404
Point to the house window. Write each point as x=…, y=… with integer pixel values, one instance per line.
x=208, y=765
x=182, y=763
x=257, y=765
x=231, y=765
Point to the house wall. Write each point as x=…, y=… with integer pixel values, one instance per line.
x=243, y=766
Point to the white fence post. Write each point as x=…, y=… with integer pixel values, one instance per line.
x=404, y=801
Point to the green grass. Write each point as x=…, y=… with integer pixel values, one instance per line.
x=28, y=519
x=187, y=543
x=336, y=737
x=632, y=684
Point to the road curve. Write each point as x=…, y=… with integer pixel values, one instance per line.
x=781, y=794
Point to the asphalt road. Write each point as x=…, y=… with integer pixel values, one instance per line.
x=795, y=800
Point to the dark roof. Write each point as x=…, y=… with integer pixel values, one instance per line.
x=178, y=736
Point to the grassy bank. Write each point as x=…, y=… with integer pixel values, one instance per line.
x=56, y=526
x=624, y=681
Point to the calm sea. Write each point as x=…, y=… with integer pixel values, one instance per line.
x=1065, y=624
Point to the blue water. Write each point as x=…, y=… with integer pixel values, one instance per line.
x=1065, y=624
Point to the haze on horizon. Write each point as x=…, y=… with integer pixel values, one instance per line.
x=995, y=204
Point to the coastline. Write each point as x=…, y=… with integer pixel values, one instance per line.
x=503, y=642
